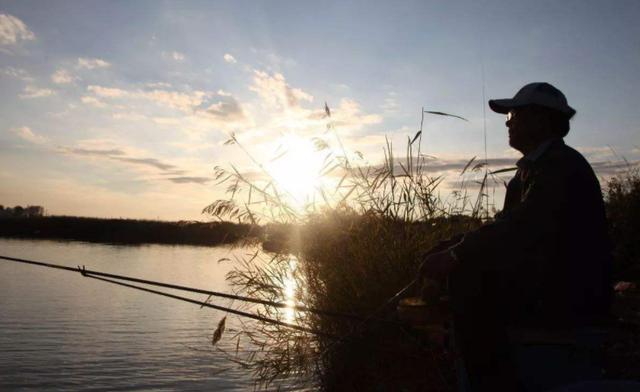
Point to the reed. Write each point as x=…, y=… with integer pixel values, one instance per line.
x=347, y=250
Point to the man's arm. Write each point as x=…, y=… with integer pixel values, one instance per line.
x=522, y=230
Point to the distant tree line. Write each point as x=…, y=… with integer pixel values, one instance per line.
x=126, y=231
x=21, y=212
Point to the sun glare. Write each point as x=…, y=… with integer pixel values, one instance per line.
x=297, y=168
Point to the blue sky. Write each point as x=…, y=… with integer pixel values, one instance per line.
x=121, y=108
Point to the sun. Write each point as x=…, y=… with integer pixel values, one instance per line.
x=297, y=168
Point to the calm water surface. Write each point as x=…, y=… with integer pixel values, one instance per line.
x=59, y=330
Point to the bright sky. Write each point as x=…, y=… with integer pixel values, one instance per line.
x=121, y=109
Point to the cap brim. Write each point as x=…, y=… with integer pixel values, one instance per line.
x=502, y=105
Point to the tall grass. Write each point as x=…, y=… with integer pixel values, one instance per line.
x=352, y=247
x=622, y=197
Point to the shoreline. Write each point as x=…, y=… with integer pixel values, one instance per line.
x=128, y=231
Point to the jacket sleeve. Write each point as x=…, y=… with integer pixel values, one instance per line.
x=528, y=230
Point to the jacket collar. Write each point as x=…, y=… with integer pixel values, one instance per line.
x=529, y=159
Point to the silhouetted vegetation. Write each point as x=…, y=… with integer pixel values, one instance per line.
x=352, y=250
x=359, y=246
x=623, y=210
x=21, y=212
x=127, y=231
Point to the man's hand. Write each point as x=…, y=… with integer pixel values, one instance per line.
x=437, y=265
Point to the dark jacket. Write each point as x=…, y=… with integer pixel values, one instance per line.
x=549, y=245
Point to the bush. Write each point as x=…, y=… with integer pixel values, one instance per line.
x=623, y=212
x=349, y=254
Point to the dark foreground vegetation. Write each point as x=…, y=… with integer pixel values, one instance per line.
x=354, y=254
x=126, y=231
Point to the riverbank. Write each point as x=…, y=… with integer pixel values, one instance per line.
x=127, y=231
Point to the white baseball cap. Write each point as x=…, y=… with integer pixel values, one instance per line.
x=541, y=94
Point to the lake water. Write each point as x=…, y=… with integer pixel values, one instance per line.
x=59, y=330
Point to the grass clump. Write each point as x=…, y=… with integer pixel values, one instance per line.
x=622, y=197
x=348, y=249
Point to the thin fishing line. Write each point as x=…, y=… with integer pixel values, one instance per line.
x=217, y=307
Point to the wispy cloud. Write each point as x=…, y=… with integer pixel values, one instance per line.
x=13, y=30
x=158, y=85
x=612, y=168
x=349, y=116
x=149, y=167
x=184, y=101
x=229, y=58
x=107, y=92
x=152, y=162
x=186, y=180
x=91, y=63
x=177, y=56
x=62, y=76
x=390, y=103
x=92, y=101
x=17, y=73
x=27, y=134
x=95, y=152
x=35, y=92
x=274, y=90
x=229, y=109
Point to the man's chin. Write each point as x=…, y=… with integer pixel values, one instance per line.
x=514, y=144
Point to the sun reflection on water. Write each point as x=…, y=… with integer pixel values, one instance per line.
x=290, y=286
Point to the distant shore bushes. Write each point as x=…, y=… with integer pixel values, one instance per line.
x=127, y=231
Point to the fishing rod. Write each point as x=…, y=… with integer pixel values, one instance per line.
x=109, y=278
x=217, y=307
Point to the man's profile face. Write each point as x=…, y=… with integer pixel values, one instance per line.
x=522, y=132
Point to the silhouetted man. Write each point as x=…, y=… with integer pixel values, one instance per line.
x=541, y=267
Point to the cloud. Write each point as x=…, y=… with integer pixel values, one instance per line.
x=62, y=76
x=280, y=61
x=17, y=73
x=186, y=180
x=467, y=184
x=27, y=134
x=34, y=92
x=158, y=85
x=93, y=101
x=229, y=58
x=228, y=110
x=177, y=56
x=95, y=152
x=274, y=90
x=348, y=115
x=119, y=154
x=129, y=116
x=108, y=150
x=91, y=63
x=223, y=93
x=390, y=104
x=612, y=168
x=13, y=30
x=183, y=101
x=107, y=92
x=152, y=162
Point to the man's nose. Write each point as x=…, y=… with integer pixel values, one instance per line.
x=508, y=122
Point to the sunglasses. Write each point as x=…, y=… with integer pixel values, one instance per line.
x=513, y=113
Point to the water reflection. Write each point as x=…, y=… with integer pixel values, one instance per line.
x=59, y=330
x=289, y=290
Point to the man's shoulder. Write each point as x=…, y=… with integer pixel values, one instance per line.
x=561, y=157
